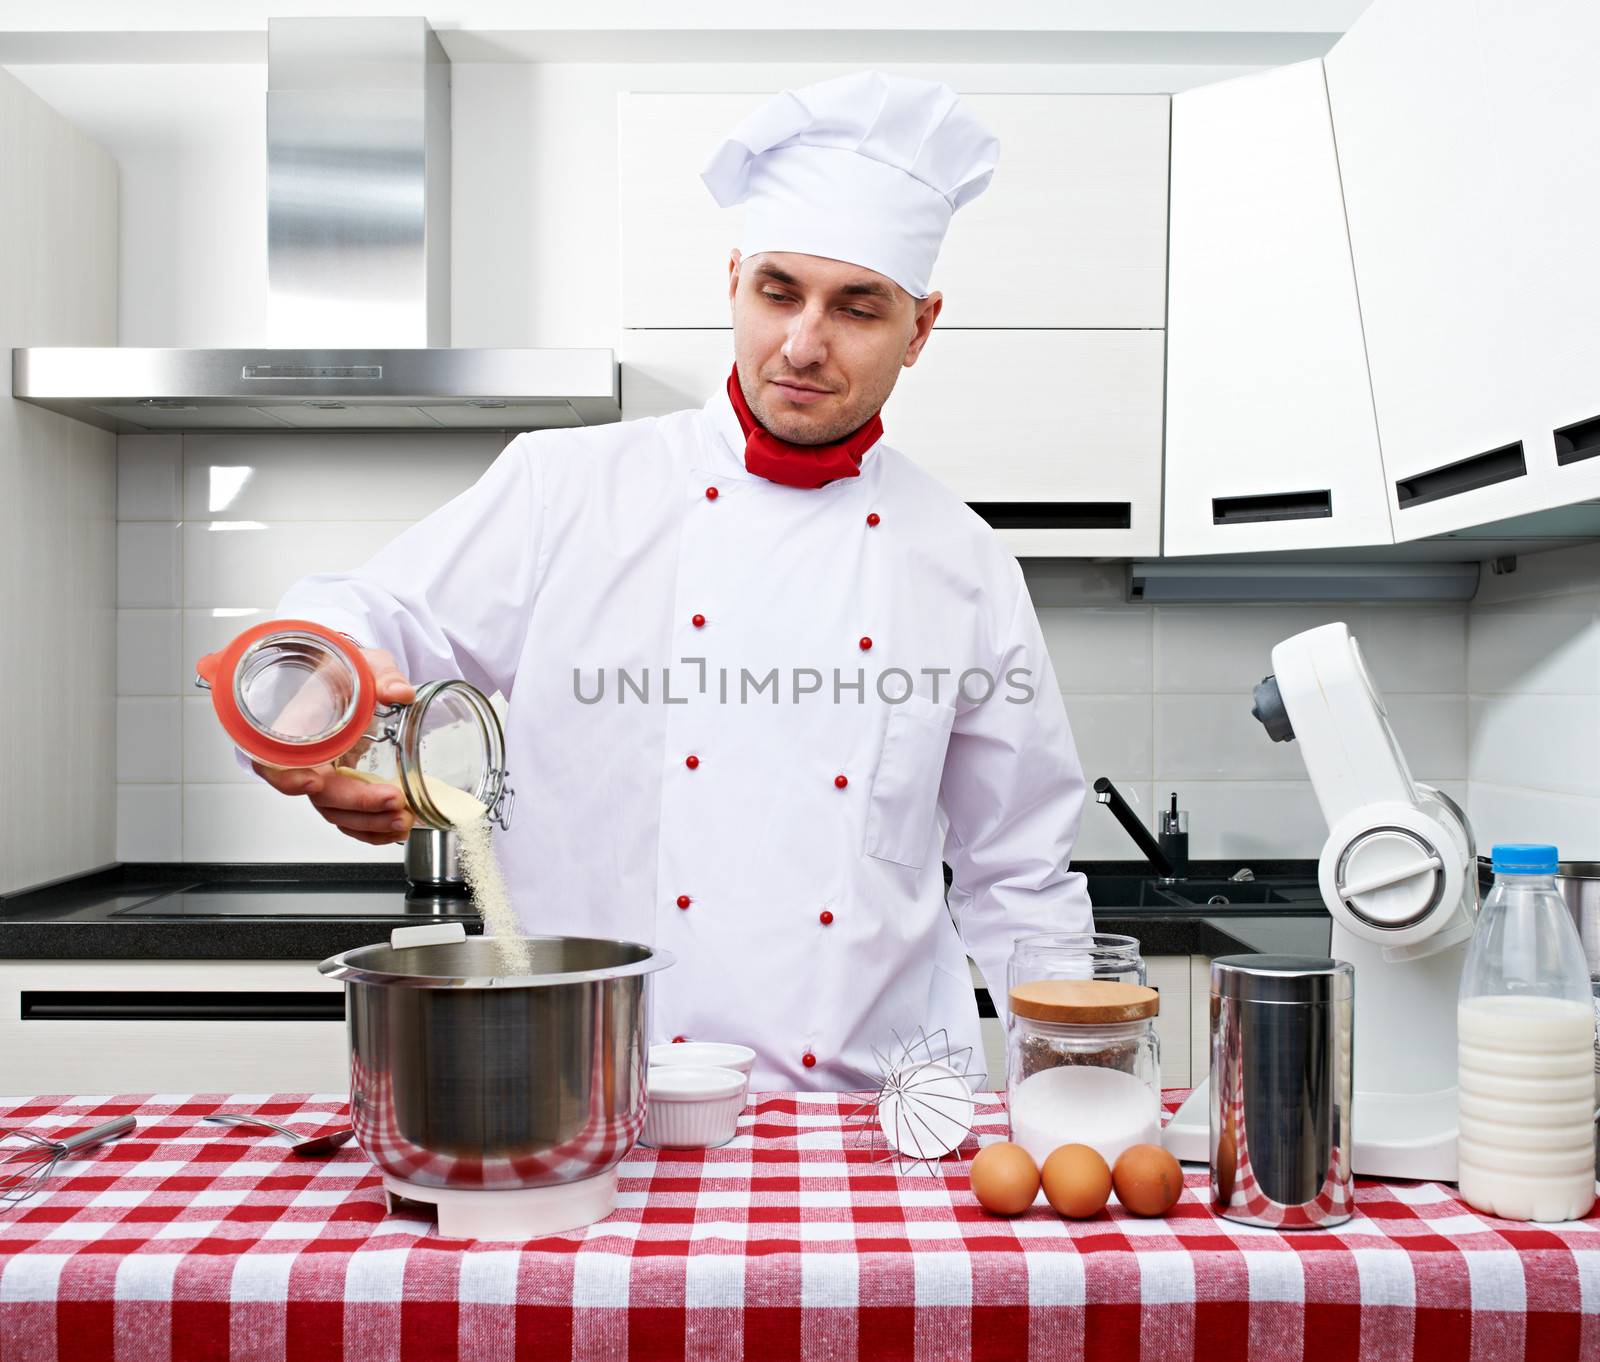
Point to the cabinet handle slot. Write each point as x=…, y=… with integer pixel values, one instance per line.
x=1466, y=475
x=171, y=1005
x=1255, y=510
x=1056, y=515
x=1579, y=441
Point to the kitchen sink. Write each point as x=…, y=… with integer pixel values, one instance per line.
x=1145, y=891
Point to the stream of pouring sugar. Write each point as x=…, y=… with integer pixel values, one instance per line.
x=470, y=818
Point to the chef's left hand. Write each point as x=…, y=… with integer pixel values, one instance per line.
x=376, y=814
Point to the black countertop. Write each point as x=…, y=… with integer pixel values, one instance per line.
x=309, y=912
x=218, y=912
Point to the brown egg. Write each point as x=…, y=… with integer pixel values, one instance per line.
x=1005, y=1179
x=1148, y=1179
x=1077, y=1182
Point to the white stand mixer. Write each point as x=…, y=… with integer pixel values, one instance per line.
x=1399, y=876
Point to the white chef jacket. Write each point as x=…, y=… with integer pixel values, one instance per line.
x=803, y=840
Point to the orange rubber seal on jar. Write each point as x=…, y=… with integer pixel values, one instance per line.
x=218, y=669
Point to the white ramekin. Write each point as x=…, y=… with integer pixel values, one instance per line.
x=689, y=1107
x=705, y=1054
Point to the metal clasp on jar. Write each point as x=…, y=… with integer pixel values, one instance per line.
x=505, y=800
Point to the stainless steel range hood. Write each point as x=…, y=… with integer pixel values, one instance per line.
x=358, y=265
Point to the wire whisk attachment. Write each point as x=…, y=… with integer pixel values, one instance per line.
x=924, y=1103
x=27, y=1158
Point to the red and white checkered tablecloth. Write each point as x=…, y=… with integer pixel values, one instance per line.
x=192, y=1241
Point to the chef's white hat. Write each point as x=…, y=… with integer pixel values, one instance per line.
x=865, y=168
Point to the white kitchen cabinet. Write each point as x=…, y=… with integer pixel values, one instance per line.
x=1271, y=440
x=41, y=1051
x=1544, y=60
x=1466, y=138
x=1071, y=233
x=1054, y=436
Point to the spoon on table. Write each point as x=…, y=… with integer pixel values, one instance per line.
x=306, y=1147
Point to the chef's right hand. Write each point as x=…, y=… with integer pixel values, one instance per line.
x=369, y=812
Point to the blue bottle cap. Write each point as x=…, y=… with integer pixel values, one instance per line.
x=1525, y=858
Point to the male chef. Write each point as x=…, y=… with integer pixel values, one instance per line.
x=761, y=669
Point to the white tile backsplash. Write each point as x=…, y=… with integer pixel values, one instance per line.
x=1544, y=646
x=1513, y=813
x=148, y=575
x=149, y=734
x=250, y=821
x=150, y=823
x=1214, y=737
x=1546, y=742
x=1098, y=650
x=230, y=563
x=325, y=476
x=147, y=477
x=1112, y=732
x=149, y=644
x=1432, y=732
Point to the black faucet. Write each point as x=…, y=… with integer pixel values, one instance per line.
x=1107, y=793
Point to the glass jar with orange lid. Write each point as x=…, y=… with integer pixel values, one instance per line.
x=293, y=693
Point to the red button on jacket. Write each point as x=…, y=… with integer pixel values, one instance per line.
x=826, y=918
x=691, y=761
x=711, y=494
x=809, y=1060
x=865, y=643
x=841, y=781
x=699, y=621
x=684, y=900
x=873, y=518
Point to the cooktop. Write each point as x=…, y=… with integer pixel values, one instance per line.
x=274, y=900
x=280, y=901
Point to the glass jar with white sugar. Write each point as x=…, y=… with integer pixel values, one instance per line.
x=293, y=693
x=1083, y=1065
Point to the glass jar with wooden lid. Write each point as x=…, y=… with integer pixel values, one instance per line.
x=1083, y=1065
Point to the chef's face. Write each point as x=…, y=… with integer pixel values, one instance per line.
x=819, y=342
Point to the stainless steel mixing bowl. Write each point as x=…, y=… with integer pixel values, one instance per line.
x=469, y=1073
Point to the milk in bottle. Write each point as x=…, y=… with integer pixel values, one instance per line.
x=1526, y=1027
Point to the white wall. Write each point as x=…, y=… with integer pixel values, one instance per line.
x=58, y=195
x=190, y=146
x=1533, y=676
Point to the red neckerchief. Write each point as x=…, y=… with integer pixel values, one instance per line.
x=794, y=465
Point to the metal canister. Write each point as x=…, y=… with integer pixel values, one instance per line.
x=1579, y=885
x=1281, y=1088
x=433, y=858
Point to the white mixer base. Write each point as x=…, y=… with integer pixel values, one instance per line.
x=1397, y=1136
x=514, y=1214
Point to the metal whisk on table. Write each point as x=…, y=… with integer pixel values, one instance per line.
x=27, y=1158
